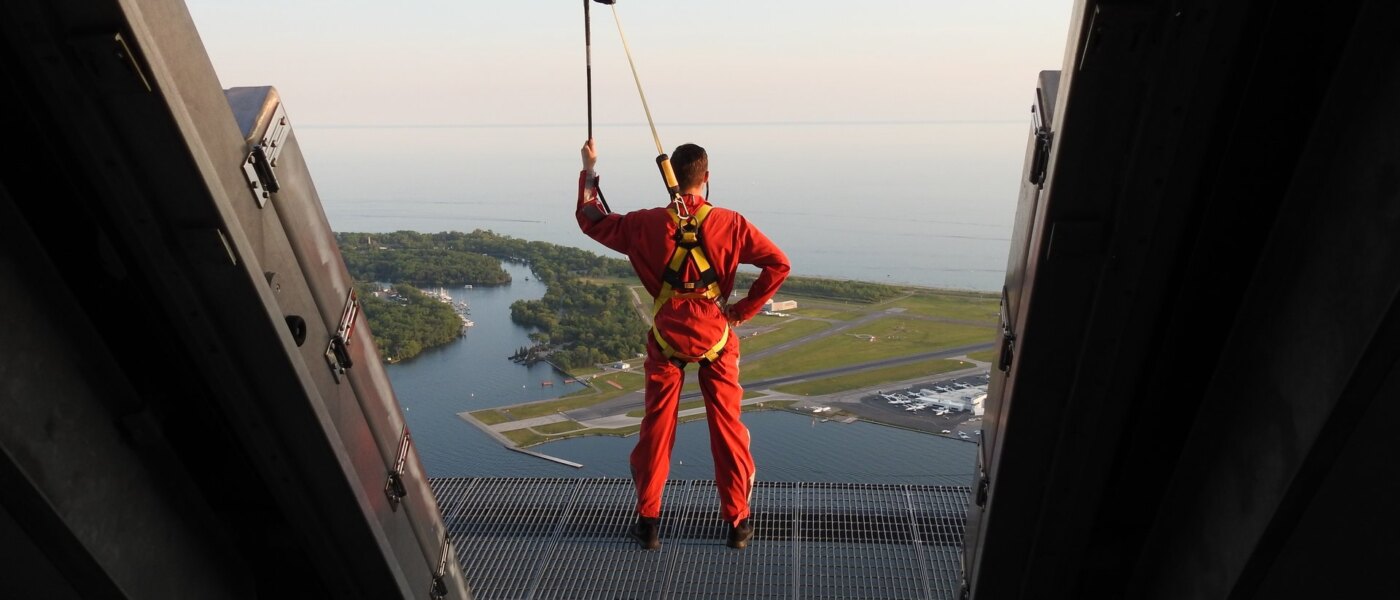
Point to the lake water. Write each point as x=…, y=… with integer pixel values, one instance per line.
x=926, y=204
x=913, y=203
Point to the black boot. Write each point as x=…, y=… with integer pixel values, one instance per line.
x=647, y=532
x=739, y=535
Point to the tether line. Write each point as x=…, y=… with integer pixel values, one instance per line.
x=638, y=80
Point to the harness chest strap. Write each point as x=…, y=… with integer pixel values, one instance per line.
x=688, y=246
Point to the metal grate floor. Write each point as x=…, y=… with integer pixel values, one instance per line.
x=522, y=539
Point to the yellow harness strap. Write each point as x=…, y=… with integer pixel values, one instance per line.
x=688, y=246
x=710, y=355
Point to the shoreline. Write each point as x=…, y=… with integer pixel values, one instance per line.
x=509, y=445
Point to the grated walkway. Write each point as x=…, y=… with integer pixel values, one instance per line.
x=527, y=539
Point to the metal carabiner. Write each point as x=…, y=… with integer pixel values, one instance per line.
x=682, y=210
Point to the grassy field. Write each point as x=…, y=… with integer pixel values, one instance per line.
x=817, y=312
x=628, y=281
x=894, y=337
x=630, y=382
x=873, y=377
x=984, y=356
x=490, y=416
x=616, y=432
x=790, y=330
x=966, y=307
x=824, y=308
x=602, y=390
x=766, y=321
x=558, y=427
x=523, y=438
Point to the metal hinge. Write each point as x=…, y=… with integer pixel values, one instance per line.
x=984, y=485
x=338, y=349
x=258, y=166
x=394, y=488
x=438, y=589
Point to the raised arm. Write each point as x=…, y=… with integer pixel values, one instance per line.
x=594, y=219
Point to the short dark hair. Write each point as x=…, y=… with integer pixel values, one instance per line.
x=690, y=164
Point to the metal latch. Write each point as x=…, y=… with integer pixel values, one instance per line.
x=1008, y=349
x=983, y=486
x=258, y=166
x=1008, y=337
x=1040, y=159
x=338, y=350
x=394, y=489
x=438, y=589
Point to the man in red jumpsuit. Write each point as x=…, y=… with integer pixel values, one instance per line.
x=692, y=323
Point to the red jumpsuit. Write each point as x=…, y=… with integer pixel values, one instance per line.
x=691, y=326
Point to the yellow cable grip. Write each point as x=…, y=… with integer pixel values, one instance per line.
x=668, y=174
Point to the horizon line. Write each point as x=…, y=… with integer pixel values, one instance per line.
x=644, y=124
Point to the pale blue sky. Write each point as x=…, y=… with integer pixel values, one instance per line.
x=446, y=62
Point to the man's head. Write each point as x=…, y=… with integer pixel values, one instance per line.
x=691, y=164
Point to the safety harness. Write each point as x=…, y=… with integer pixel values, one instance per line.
x=689, y=249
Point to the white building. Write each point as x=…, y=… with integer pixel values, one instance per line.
x=774, y=306
x=945, y=400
